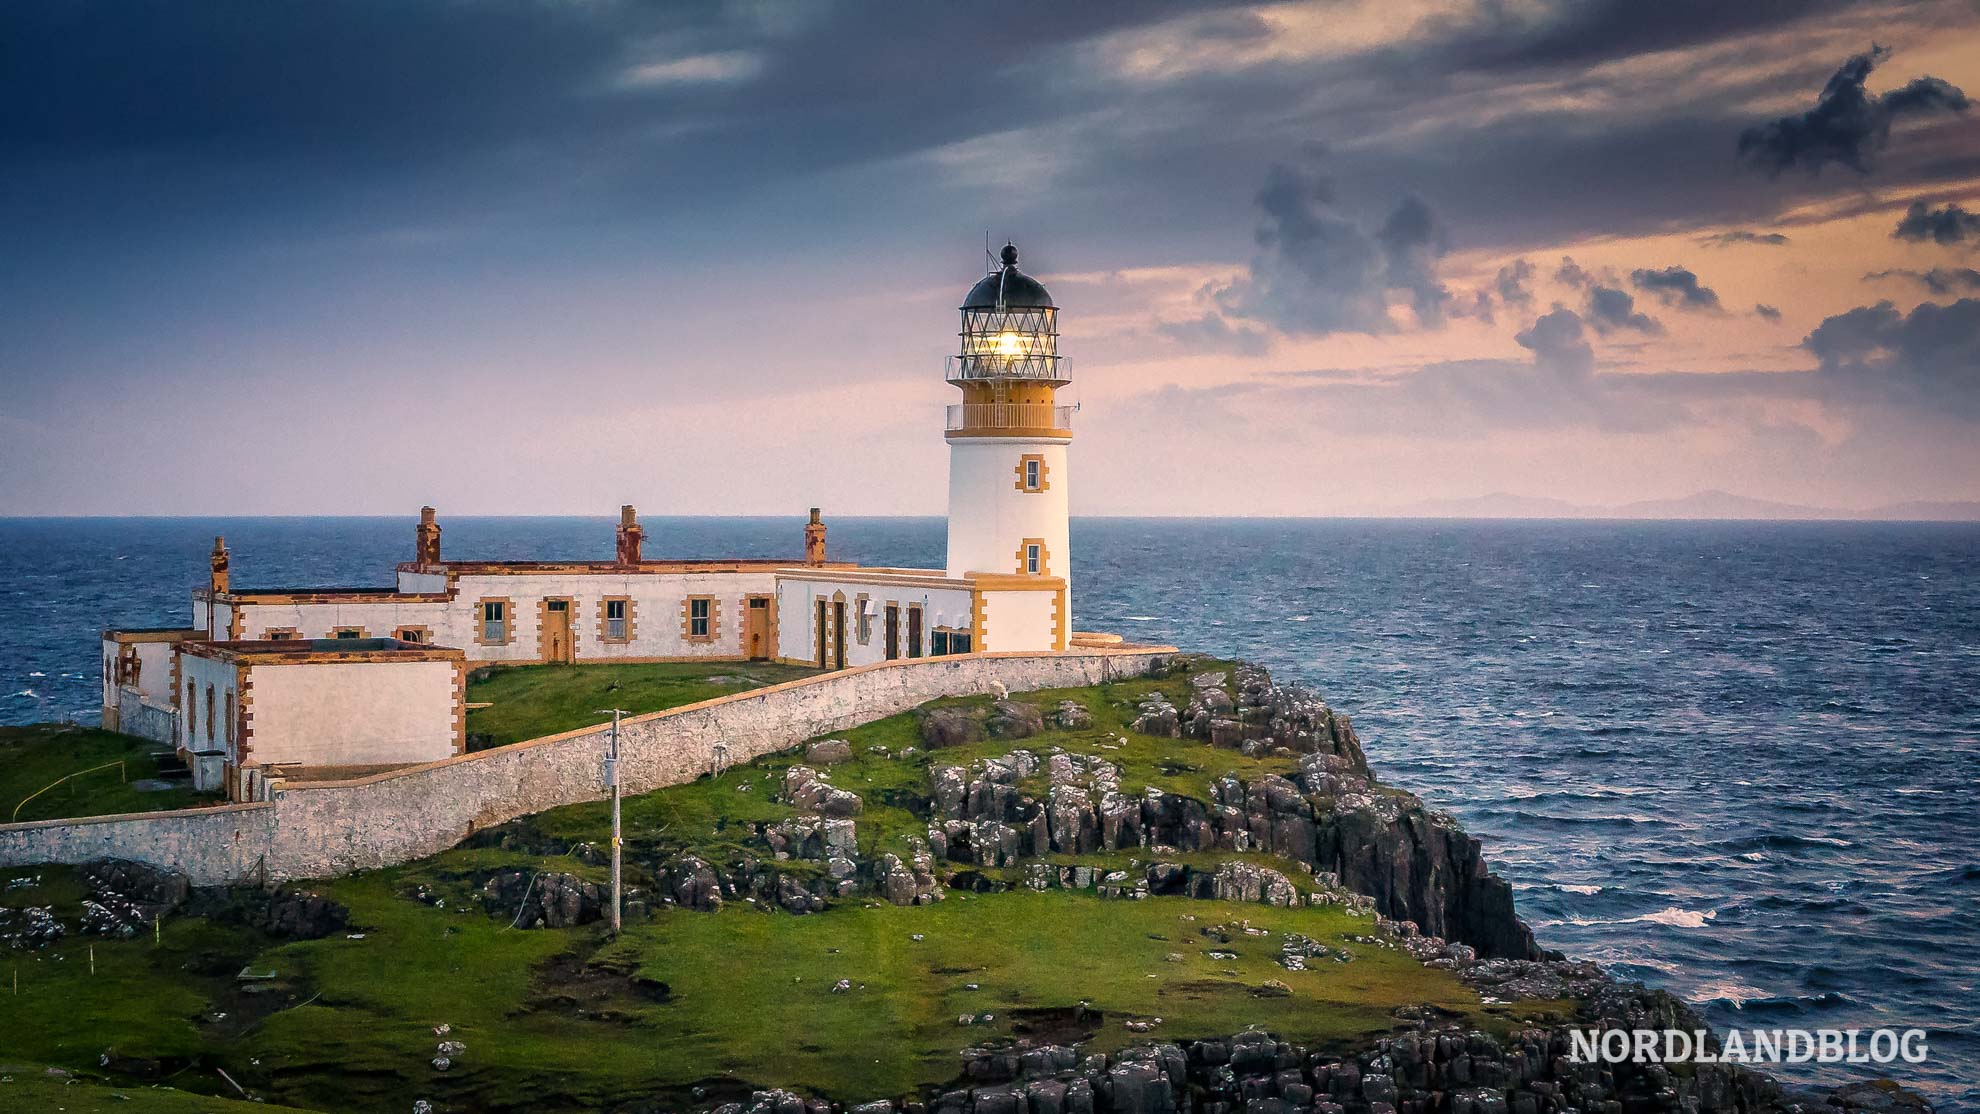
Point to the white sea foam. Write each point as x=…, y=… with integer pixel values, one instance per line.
x=1670, y=915
x=29, y=694
x=1734, y=992
x=1582, y=889
x=1144, y=618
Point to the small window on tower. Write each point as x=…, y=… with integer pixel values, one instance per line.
x=1032, y=475
x=1034, y=558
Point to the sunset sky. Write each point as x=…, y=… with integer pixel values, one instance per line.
x=555, y=256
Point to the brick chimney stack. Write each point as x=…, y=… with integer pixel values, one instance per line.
x=631, y=536
x=814, y=540
x=218, y=580
x=426, y=539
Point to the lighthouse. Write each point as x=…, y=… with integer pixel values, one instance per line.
x=1008, y=437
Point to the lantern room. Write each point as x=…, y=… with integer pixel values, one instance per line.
x=1009, y=365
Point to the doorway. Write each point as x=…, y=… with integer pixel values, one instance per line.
x=756, y=628
x=819, y=628
x=893, y=631
x=838, y=634
x=557, y=631
x=914, y=631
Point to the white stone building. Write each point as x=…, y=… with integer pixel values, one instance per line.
x=358, y=679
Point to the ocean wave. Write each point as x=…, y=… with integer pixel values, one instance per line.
x=28, y=694
x=1670, y=915
x=1143, y=618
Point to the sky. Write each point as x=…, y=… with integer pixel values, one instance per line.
x=552, y=256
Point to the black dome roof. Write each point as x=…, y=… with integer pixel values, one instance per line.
x=1008, y=288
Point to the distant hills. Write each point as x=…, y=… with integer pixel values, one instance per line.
x=1700, y=505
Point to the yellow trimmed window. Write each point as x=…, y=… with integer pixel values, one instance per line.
x=494, y=621
x=701, y=618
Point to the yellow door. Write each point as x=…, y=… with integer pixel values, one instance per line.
x=557, y=631
x=756, y=635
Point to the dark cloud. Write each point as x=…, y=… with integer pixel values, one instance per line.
x=1939, y=280
x=1514, y=284
x=1611, y=309
x=1559, y=345
x=1412, y=242
x=1570, y=273
x=1676, y=286
x=1762, y=309
x=1950, y=225
x=1319, y=271
x=1848, y=124
x=1743, y=236
x=1928, y=358
x=1606, y=306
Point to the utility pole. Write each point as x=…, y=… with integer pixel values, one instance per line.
x=612, y=779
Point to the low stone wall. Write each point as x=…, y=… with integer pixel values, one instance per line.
x=320, y=829
x=140, y=717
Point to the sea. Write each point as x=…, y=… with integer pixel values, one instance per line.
x=1737, y=760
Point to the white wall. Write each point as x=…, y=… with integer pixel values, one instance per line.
x=422, y=581
x=989, y=518
x=1019, y=621
x=216, y=733
x=797, y=636
x=352, y=713
x=319, y=620
x=657, y=602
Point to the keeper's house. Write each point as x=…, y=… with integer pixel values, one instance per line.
x=266, y=684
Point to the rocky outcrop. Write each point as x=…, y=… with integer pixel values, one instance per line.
x=1434, y=1070
x=544, y=900
x=1331, y=816
x=808, y=791
x=948, y=726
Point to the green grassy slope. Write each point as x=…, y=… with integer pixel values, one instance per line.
x=530, y=701
x=33, y=757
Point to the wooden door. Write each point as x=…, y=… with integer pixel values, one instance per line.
x=893, y=631
x=756, y=634
x=914, y=632
x=838, y=634
x=557, y=631
x=820, y=629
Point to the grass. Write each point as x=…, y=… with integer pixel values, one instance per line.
x=32, y=758
x=569, y=1020
x=75, y=1095
x=531, y=701
x=347, y=1024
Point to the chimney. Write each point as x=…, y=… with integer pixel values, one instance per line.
x=426, y=539
x=218, y=580
x=631, y=536
x=814, y=540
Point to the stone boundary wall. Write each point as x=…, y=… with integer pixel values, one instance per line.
x=322, y=829
x=137, y=715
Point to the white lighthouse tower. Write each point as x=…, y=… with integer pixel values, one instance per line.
x=1007, y=450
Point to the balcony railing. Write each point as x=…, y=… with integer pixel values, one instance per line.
x=992, y=417
x=1052, y=369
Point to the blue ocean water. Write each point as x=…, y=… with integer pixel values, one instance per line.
x=1737, y=760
